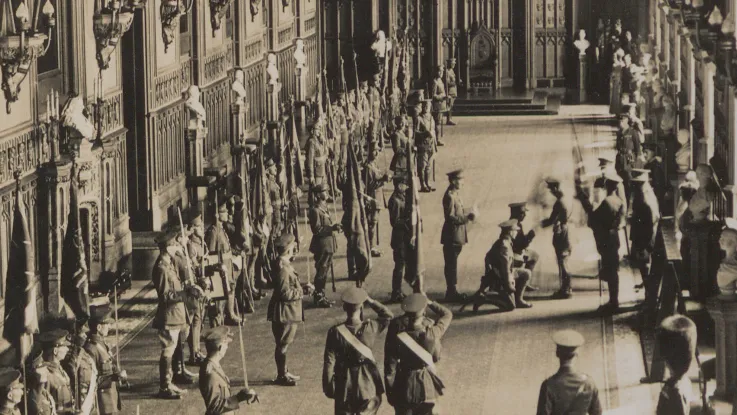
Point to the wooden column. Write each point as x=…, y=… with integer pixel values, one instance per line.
x=706, y=144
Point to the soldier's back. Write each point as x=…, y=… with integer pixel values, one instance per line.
x=569, y=393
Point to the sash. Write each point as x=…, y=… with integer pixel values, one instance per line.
x=358, y=345
x=89, y=400
x=419, y=351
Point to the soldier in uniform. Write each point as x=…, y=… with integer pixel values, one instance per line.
x=401, y=223
x=323, y=243
x=214, y=383
x=340, y=124
x=80, y=366
x=558, y=219
x=501, y=274
x=40, y=401
x=285, y=308
x=350, y=374
x=317, y=158
x=412, y=348
x=376, y=98
x=452, y=85
x=677, y=340
x=606, y=165
x=604, y=221
x=55, y=348
x=657, y=172
x=375, y=180
x=196, y=250
x=400, y=142
x=568, y=391
x=628, y=153
x=425, y=143
x=439, y=100
x=110, y=374
x=645, y=234
x=218, y=243
x=11, y=392
x=275, y=197
x=523, y=255
x=454, y=234
x=171, y=314
x=185, y=270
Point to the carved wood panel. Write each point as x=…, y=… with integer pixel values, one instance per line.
x=167, y=147
x=216, y=100
x=24, y=153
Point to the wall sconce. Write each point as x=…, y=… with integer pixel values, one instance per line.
x=21, y=43
x=110, y=22
x=217, y=11
x=171, y=11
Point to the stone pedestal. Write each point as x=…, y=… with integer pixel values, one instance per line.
x=723, y=310
x=195, y=162
x=581, y=94
x=238, y=124
x=300, y=78
x=272, y=101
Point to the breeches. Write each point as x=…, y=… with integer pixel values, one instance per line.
x=170, y=338
x=284, y=334
x=323, y=261
x=424, y=162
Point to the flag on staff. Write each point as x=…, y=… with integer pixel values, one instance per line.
x=74, y=279
x=354, y=216
x=259, y=200
x=294, y=169
x=21, y=316
x=416, y=257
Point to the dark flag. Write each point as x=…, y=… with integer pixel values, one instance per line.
x=416, y=256
x=74, y=274
x=21, y=317
x=354, y=217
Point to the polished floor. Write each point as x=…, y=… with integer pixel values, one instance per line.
x=492, y=363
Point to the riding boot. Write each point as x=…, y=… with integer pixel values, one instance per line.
x=166, y=390
x=181, y=375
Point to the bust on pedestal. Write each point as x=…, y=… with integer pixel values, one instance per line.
x=73, y=118
x=582, y=46
x=239, y=108
x=197, y=113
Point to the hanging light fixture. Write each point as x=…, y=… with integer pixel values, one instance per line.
x=21, y=43
x=217, y=11
x=109, y=23
x=171, y=11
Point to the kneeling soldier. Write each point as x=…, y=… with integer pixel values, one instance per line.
x=411, y=351
x=214, y=383
x=350, y=375
x=568, y=391
x=524, y=257
x=110, y=374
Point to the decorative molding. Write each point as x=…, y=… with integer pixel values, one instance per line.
x=285, y=35
x=217, y=65
x=20, y=153
x=112, y=113
x=254, y=51
x=310, y=25
x=169, y=86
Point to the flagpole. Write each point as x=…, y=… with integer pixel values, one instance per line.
x=25, y=383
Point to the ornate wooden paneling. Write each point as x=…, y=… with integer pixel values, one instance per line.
x=169, y=86
x=254, y=50
x=722, y=106
x=285, y=63
x=216, y=100
x=313, y=62
x=167, y=147
x=256, y=82
x=550, y=39
x=29, y=203
x=217, y=65
x=24, y=153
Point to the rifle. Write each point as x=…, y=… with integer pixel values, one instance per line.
x=706, y=407
x=355, y=69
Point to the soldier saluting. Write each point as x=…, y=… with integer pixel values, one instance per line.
x=568, y=391
x=323, y=243
x=214, y=383
x=411, y=351
x=350, y=374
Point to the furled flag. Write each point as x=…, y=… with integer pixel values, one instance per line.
x=21, y=317
x=74, y=273
x=354, y=217
x=416, y=256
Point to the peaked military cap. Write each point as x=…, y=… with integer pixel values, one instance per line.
x=53, y=338
x=568, y=339
x=101, y=315
x=319, y=188
x=269, y=162
x=197, y=220
x=283, y=241
x=414, y=303
x=217, y=336
x=519, y=206
x=354, y=295
x=10, y=379
x=509, y=224
x=166, y=237
x=552, y=182
x=605, y=160
x=455, y=174
x=639, y=172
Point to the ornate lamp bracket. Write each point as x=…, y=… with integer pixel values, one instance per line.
x=171, y=11
x=109, y=23
x=218, y=8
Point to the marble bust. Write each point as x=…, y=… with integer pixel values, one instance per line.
x=271, y=69
x=300, y=58
x=73, y=117
x=381, y=45
x=727, y=272
x=581, y=43
x=238, y=88
x=683, y=155
x=197, y=113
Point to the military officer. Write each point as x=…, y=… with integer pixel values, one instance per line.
x=558, y=219
x=323, y=243
x=439, y=101
x=110, y=374
x=317, y=157
x=501, y=274
x=185, y=270
x=628, y=152
x=196, y=250
x=171, y=314
x=412, y=348
x=606, y=165
x=401, y=222
x=604, y=221
x=275, y=198
x=677, y=340
x=55, y=348
x=568, y=391
x=645, y=234
x=654, y=164
x=400, y=142
x=40, y=401
x=285, y=308
x=214, y=383
x=452, y=84
x=80, y=367
x=11, y=392
x=523, y=255
x=340, y=124
x=376, y=98
x=425, y=143
x=218, y=243
x=350, y=374
x=375, y=180
x=454, y=234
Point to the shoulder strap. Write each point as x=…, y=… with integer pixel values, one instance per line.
x=418, y=350
x=357, y=344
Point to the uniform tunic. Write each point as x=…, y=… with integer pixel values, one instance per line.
x=349, y=377
x=399, y=163
x=317, y=157
x=500, y=272
x=40, y=402
x=454, y=234
x=559, y=221
x=108, y=397
x=408, y=380
x=274, y=191
x=658, y=179
x=604, y=222
x=215, y=390
x=401, y=224
x=438, y=95
x=171, y=314
x=80, y=367
x=323, y=243
x=217, y=241
x=60, y=388
x=425, y=142
x=568, y=393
